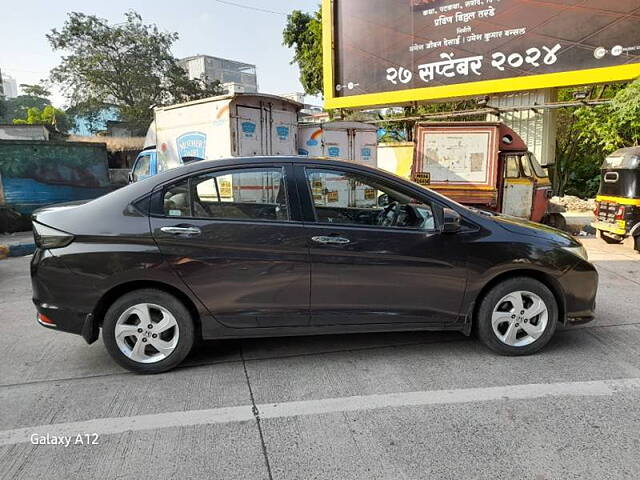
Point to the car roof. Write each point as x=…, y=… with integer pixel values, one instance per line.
x=203, y=165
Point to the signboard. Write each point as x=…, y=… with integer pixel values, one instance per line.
x=379, y=52
x=456, y=156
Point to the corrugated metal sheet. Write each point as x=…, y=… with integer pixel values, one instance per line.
x=536, y=128
x=24, y=195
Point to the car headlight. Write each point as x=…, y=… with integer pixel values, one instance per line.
x=578, y=251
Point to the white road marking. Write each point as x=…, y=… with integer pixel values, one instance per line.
x=115, y=425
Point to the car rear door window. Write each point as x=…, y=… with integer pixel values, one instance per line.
x=176, y=200
x=241, y=194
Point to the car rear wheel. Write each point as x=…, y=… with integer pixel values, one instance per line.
x=148, y=331
x=517, y=317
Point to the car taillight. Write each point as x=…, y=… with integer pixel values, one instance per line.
x=620, y=213
x=47, y=237
x=46, y=320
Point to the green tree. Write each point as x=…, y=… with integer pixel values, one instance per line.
x=127, y=66
x=303, y=32
x=33, y=96
x=35, y=90
x=615, y=125
x=49, y=116
x=586, y=135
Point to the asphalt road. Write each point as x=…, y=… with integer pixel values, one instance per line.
x=393, y=406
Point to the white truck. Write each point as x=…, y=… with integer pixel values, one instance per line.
x=352, y=141
x=236, y=125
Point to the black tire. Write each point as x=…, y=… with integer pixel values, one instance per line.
x=611, y=240
x=183, y=319
x=555, y=220
x=489, y=302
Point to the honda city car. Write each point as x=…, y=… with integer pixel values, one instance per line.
x=281, y=246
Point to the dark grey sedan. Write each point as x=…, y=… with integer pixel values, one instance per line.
x=252, y=247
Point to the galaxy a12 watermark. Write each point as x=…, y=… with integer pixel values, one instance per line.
x=79, y=439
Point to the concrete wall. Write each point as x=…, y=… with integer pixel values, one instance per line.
x=35, y=174
x=396, y=158
x=24, y=132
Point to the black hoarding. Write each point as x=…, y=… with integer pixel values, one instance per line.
x=393, y=51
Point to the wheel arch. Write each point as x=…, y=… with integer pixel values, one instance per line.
x=547, y=280
x=116, y=292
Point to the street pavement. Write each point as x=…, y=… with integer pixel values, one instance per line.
x=367, y=406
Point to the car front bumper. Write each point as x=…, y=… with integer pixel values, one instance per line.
x=580, y=287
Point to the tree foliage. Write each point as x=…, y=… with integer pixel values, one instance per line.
x=127, y=66
x=35, y=90
x=16, y=108
x=303, y=33
x=586, y=135
x=49, y=116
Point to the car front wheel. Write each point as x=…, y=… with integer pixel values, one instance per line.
x=517, y=317
x=148, y=331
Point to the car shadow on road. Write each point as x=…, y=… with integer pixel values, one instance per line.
x=255, y=349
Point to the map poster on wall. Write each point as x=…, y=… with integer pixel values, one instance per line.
x=385, y=51
x=456, y=157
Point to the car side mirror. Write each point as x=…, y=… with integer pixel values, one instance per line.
x=450, y=221
x=383, y=200
x=130, y=177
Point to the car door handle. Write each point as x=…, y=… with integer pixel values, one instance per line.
x=181, y=230
x=327, y=240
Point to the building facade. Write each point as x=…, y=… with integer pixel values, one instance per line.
x=233, y=75
x=8, y=86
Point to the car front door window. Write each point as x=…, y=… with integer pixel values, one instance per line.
x=346, y=198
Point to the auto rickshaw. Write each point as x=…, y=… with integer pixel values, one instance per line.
x=618, y=200
x=485, y=165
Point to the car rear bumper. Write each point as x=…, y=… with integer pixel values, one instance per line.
x=48, y=278
x=55, y=318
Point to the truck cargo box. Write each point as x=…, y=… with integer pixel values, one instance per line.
x=353, y=141
x=226, y=126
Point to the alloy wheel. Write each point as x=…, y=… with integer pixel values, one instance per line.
x=146, y=333
x=519, y=318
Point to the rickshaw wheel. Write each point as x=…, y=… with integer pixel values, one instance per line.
x=610, y=239
x=555, y=220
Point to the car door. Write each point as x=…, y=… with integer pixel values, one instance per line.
x=368, y=268
x=235, y=237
